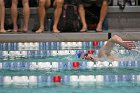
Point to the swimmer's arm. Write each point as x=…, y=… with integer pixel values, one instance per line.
x=116, y=39
x=106, y=49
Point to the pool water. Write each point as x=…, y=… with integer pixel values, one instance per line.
x=28, y=69
x=121, y=87
x=127, y=85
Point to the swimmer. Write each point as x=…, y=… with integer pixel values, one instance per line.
x=105, y=51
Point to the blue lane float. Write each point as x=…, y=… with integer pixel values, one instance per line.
x=35, y=80
x=56, y=66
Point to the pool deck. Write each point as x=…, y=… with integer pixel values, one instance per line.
x=65, y=37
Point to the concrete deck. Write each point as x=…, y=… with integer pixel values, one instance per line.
x=65, y=37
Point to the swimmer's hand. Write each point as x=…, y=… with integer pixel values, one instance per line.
x=129, y=45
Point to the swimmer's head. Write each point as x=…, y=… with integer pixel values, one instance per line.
x=83, y=55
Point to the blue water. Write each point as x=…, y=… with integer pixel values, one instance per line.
x=126, y=84
x=110, y=87
x=125, y=78
x=127, y=87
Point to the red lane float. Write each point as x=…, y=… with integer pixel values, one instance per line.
x=90, y=51
x=95, y=43
x=57, y=79
x=76, y=65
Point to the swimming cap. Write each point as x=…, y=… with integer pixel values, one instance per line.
x=79, y=53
